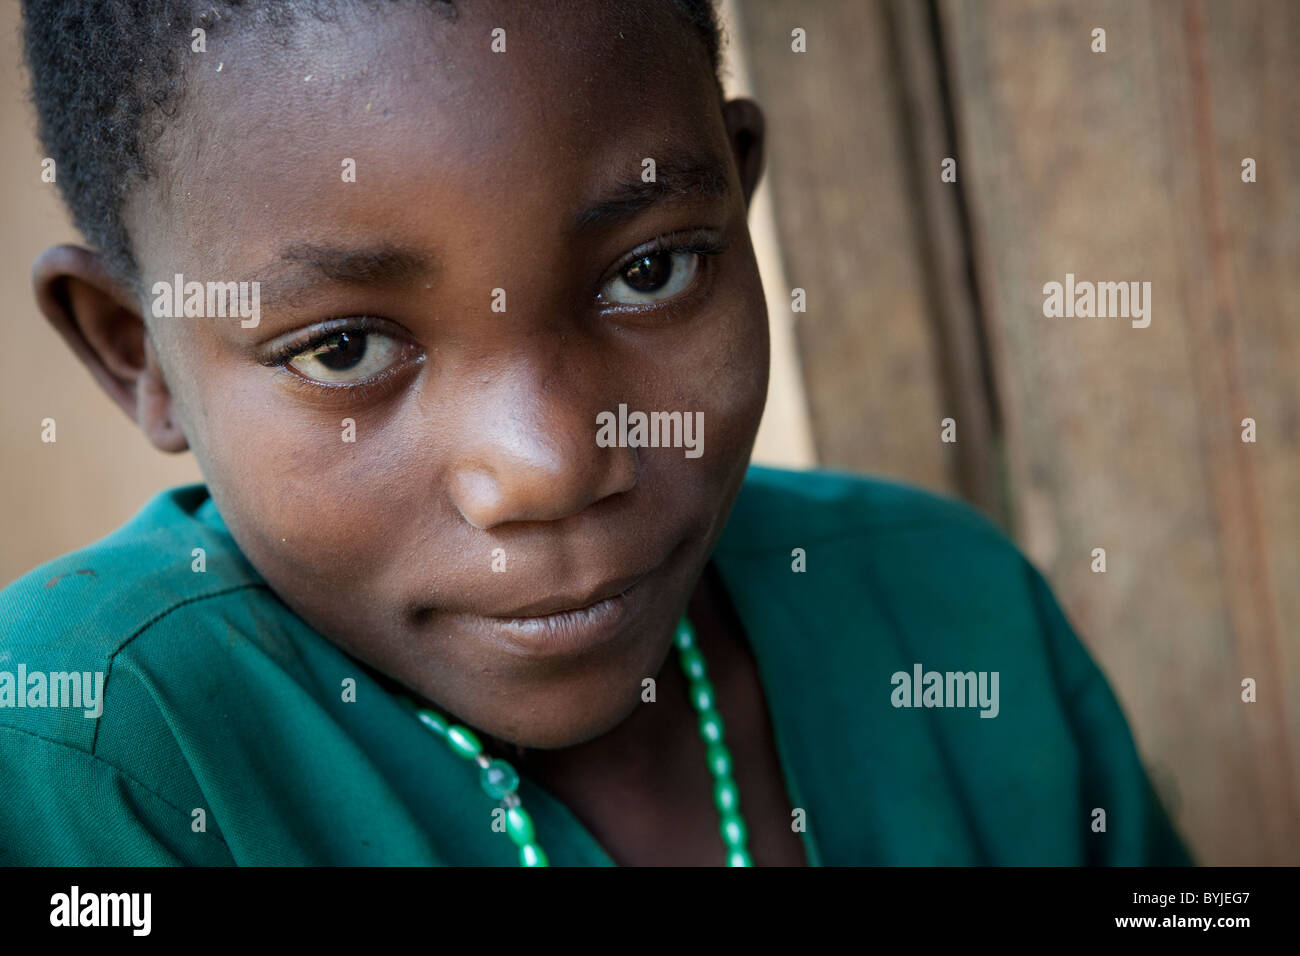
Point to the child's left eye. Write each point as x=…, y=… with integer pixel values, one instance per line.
x=653, y=277
x=346, y=357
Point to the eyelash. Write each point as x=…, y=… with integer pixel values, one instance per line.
x=699, y=242
x=317, y=338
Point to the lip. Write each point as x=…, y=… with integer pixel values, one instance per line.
x=560, y=605
x=561, y=626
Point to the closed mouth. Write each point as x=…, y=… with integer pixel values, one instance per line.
x=571, y=628
x=561, y=608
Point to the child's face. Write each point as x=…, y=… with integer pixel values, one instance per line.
x=475, y=429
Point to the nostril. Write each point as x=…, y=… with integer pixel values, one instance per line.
x=478, y=498
x=622, y=473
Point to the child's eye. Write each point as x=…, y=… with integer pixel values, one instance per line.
x=654, y=277
x=347, y=356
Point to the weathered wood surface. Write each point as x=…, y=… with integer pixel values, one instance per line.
x=1126, y=165
x=850, y=236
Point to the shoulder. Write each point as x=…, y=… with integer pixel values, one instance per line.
x=101, y=651
x=776, y=509
x=932, y=572
x=67, y=622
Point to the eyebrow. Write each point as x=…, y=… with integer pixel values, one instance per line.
x=372, y=265
x=303, y=264
x=675, y=178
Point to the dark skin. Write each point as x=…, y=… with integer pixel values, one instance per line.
x=474, y=429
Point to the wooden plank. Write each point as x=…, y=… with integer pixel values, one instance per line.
x=846, y=218
x=1118, y=437
x=1254, y=110
x=959, y=341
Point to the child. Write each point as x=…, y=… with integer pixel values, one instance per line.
x=457, y=309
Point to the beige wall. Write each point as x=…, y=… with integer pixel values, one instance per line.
x=100, y=470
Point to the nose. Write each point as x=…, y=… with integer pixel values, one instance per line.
x=532, y=456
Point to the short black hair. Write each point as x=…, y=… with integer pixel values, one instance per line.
x=106, y=78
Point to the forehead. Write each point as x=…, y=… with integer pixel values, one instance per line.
x=425, y=106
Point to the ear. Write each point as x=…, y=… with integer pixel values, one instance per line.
x=99, y=318
x=746, y=132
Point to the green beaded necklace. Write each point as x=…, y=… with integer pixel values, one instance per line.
x=500, y=781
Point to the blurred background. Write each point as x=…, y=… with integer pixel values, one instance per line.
x=924, y=302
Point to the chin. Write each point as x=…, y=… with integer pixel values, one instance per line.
x=566, y=719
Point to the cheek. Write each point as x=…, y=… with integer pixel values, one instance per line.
x=717, y=367
x=744, y=367
x=305, y=503
x=727, y=380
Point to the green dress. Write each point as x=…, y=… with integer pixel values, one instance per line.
x=224, y=737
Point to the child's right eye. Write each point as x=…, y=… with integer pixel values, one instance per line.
x=347, y=357
x=345, y=353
